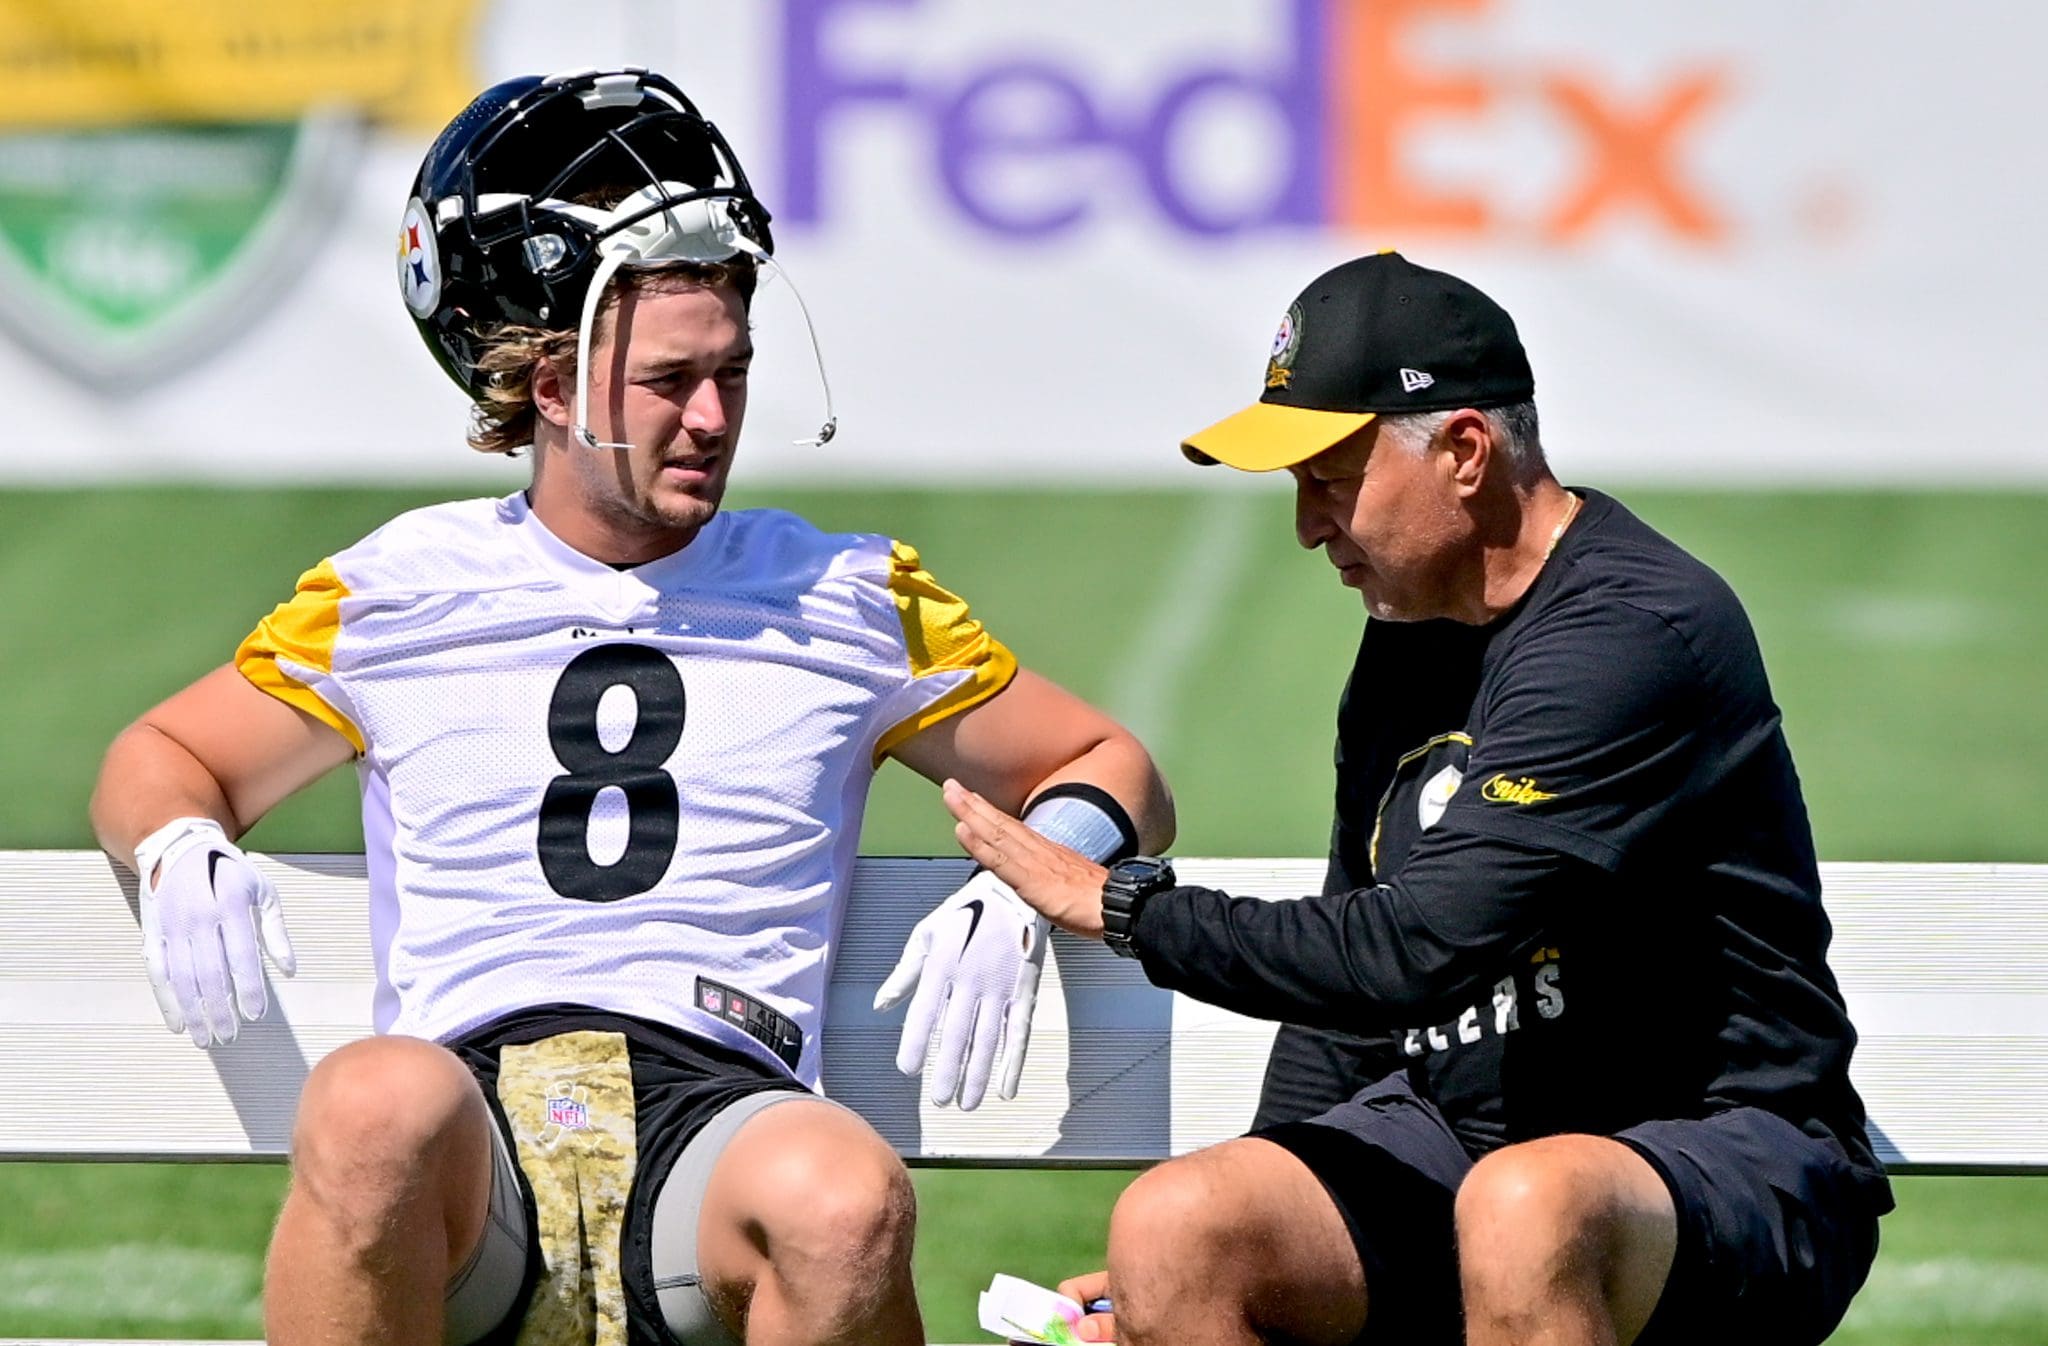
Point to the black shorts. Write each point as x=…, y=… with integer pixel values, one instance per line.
x=1776, y=1229
x=680, y=1082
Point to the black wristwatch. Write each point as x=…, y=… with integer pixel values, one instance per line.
x=1131, y=884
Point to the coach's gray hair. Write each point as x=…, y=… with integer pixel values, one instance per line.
x=1514, y=430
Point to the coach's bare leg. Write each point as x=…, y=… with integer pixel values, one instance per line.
x=1565, y=1240
x=1233, y=1244
x=391, y=1185
x=804, y=1237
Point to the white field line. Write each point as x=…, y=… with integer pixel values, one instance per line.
x=1197, y=585
x=133, y=1282
x=1951, y=1292
x=1890, y=620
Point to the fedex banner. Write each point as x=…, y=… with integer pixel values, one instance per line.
x=1745, y=242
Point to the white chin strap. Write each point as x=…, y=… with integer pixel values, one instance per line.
x=606, y=269
x=690, y=231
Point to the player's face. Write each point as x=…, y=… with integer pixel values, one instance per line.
x=669, y=378
x=1389, y=519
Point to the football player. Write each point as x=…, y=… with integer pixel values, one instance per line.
x=614, y=745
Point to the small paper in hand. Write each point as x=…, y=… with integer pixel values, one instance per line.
x=1016, y=1309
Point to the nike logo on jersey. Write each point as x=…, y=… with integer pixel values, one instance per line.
x=974, y=922
x=1501, y=790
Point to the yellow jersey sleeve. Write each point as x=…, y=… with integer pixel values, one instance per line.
x=949, y=650
x=290, y=654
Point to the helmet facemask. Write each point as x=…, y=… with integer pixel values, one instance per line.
x=634, y=177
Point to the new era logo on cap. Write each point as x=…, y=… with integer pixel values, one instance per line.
x=1414, y=380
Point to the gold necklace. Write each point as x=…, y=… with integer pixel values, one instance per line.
x=1571, y=512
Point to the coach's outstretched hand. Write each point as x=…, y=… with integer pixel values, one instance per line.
x=1059, y=883
x=974, y=964
x=204, y=910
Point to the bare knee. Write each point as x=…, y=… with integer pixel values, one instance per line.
x=1177, y=1215
x=857, y=1209
x=1566, y=1221
x=1168, y=1260
x=805, y=1231
x=818, y=1194
x=389, y=1122
x=1235, y=1242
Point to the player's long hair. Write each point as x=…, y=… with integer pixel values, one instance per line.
x=503, y=420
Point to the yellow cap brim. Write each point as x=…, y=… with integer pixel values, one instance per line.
x=1266, y=437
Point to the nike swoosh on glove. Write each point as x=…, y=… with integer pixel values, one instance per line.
x=974, y=964
x=205, y=910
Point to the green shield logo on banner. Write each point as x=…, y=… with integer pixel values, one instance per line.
x=166, y=171
x=128, y=253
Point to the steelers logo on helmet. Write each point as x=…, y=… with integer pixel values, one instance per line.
x=1286, y=341
x=419, y=260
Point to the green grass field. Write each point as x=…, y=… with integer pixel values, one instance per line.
x=1906, y=635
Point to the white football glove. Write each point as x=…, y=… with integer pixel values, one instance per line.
x=974, y=963
x=204, y=909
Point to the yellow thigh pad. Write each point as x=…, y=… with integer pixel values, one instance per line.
x=569, y=1099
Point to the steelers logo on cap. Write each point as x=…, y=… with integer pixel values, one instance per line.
x=419, y=260
x=1286, y=341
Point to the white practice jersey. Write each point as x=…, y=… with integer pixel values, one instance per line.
x=638, y=790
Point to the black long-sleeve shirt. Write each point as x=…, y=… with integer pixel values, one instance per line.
x=1585, y=892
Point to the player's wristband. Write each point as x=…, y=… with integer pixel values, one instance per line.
x=1084, y=818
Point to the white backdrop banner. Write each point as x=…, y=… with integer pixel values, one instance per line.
x=1746, y=242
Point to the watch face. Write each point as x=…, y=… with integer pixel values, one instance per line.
x=1143, y=873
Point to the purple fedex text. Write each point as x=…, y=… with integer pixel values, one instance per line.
x=962, y=113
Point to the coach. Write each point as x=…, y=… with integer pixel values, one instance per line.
x=1567, y=1063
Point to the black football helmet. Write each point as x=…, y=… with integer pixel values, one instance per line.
x=495, y=232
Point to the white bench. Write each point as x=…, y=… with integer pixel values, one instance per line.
x=1945, y=968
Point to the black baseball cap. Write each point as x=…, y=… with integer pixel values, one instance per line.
x=1378, y=334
